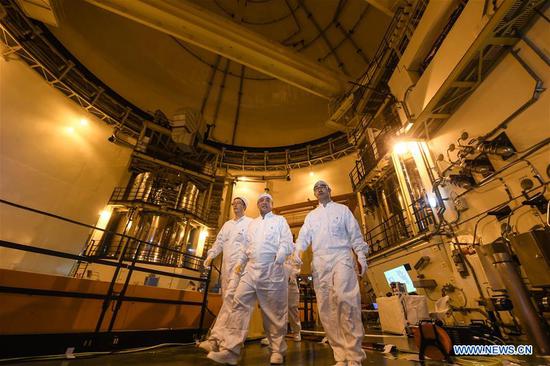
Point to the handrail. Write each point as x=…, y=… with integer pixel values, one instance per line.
x=123, y=236
x=160, y=197
x=397, y=228
x=47, y=56
x=374, y=152
x=121, y=263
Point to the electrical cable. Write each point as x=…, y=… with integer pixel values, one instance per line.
x=463, y=295
x=478, y=361
x=548, y=214
x=490, y=178
x=81, y=355
x=484, y=339
x=502, y=204
x=495, y=337
x=428, y=295
x=474, y=275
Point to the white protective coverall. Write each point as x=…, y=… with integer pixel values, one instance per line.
x=231, y=239
x=334, y=233
x=293, y=270
x=264, y=279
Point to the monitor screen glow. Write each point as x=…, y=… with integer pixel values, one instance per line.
x=399, y=274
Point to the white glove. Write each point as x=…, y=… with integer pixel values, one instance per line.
x=362, y=259
x=296, y=258
x=280, y=258
x=208, y=261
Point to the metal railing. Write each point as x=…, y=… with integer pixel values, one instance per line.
x=146, y=252
x=38, y=47
x=286, y=158
x=127, y=259
x=399, y=228
x=370, y=89
x=371, y=155
x=160, y=197
x=35, y=45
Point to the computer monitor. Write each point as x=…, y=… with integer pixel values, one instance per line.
x=399, y=274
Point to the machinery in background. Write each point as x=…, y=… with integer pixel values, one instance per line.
x=418, y=210
x=528, y=252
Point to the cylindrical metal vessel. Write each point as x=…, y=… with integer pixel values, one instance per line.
x=534, y=326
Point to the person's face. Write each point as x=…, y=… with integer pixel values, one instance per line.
x=321, y=192
x=238, y=207
x=265, y=205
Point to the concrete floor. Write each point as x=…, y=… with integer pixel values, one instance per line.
x=307, y=352
x=302, y=353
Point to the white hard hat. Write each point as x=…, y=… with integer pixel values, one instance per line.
x=265, y=195
x=245, y=201
x=320, y=182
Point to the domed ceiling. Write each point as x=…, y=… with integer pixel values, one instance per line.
x=157, y=70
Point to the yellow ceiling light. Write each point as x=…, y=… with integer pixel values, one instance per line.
x=401, y=148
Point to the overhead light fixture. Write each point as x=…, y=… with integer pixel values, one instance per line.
x=401, y=148
x=105, y=213
x=83, y=122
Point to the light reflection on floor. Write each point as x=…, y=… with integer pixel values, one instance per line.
x=309, y=352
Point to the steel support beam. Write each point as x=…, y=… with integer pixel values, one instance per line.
x=385, y=6
x=193, y=24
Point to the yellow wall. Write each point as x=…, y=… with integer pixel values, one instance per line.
x=50, y=161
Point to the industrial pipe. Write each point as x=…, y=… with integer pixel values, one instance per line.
x=534, y=326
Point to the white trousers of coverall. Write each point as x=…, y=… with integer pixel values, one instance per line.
x=293, y=303
x=229, y=285
x=339, y=303
x=268, y=284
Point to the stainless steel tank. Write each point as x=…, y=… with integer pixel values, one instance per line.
x=142, y=186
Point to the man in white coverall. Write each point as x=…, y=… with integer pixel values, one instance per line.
x=334, y=233
x=230, y=240
x=293, y=270
x=264, y=279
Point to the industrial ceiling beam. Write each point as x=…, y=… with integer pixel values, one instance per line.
x=385, y=6
x=195, y=25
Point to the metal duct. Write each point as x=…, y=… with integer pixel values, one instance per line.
x=486, y=260
x=533, y=251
